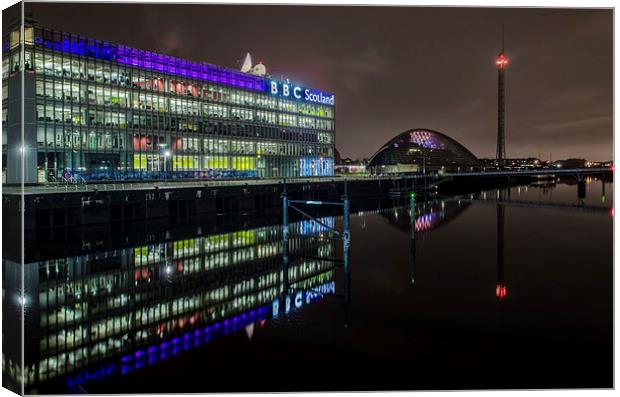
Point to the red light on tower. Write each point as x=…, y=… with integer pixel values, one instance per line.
x=502, y=61
x=500, y=291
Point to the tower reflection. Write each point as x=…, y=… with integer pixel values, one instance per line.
x=500, y=287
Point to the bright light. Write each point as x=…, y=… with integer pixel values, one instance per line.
x=167, y=153
x=168, y=269
x=502, y=61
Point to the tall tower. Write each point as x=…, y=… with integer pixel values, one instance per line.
x=501, y=62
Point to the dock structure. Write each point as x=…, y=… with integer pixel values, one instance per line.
x=83, y=204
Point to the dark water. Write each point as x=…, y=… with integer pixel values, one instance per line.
x=482, y=295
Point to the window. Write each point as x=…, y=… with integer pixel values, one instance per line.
x=29, y=35
x=14, y=39
x=15, y=59
x=38, y=62
x=5, y=67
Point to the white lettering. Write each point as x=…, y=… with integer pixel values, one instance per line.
x=301, y=93
x=276, y=308
x=298, y=300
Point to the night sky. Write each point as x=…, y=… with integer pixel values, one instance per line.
x=397, y=68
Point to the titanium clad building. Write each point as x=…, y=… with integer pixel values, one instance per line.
x=95, y=110
x=421, y=150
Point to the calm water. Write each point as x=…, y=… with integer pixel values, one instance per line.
x=480, y=295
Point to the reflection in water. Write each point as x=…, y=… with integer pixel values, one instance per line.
x=412, y=227
x=429, y=215
x=102, y=320
x=500, y=288
x=421, y=218
x=106, y=314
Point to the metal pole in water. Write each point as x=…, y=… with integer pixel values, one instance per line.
x=346, y=237
x=412, y=227
x=285, y=246
x=346, y=242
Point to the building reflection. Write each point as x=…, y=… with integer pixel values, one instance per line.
x=429, y=215
x=423, y=217
x=112, y=312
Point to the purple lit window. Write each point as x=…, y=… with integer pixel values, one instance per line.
x=150, y=60
x=425, y=222
x=425, y=139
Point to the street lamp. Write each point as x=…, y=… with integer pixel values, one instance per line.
x=167, y=155
x=161, y=146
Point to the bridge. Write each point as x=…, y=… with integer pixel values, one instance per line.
x=536, y=204
x=532, y=172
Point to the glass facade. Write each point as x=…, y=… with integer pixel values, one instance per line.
x=421, y=150
x=106, y=111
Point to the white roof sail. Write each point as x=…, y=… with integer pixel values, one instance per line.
x=259, y=70
x=247, y=64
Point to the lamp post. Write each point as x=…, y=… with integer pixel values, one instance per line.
x=161, y=146
x=167, y=155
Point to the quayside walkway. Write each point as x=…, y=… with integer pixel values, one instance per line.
x=156, y=185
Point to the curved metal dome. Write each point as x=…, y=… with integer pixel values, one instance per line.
x=423, y=147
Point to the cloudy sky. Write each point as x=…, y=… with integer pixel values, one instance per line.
x=397, y=68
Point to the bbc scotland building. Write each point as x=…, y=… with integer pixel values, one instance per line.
x=96, y=111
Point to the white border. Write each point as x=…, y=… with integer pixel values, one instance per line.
x=452, y=3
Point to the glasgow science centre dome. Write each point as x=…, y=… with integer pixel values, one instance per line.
x=419, y=150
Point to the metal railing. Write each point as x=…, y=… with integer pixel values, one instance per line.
x=80, y=185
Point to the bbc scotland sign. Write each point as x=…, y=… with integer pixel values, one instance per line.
x=292, y=91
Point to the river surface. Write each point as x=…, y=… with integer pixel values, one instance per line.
x=475, y=293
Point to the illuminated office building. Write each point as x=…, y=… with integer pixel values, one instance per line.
x=113, y=311
x=95, y=110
